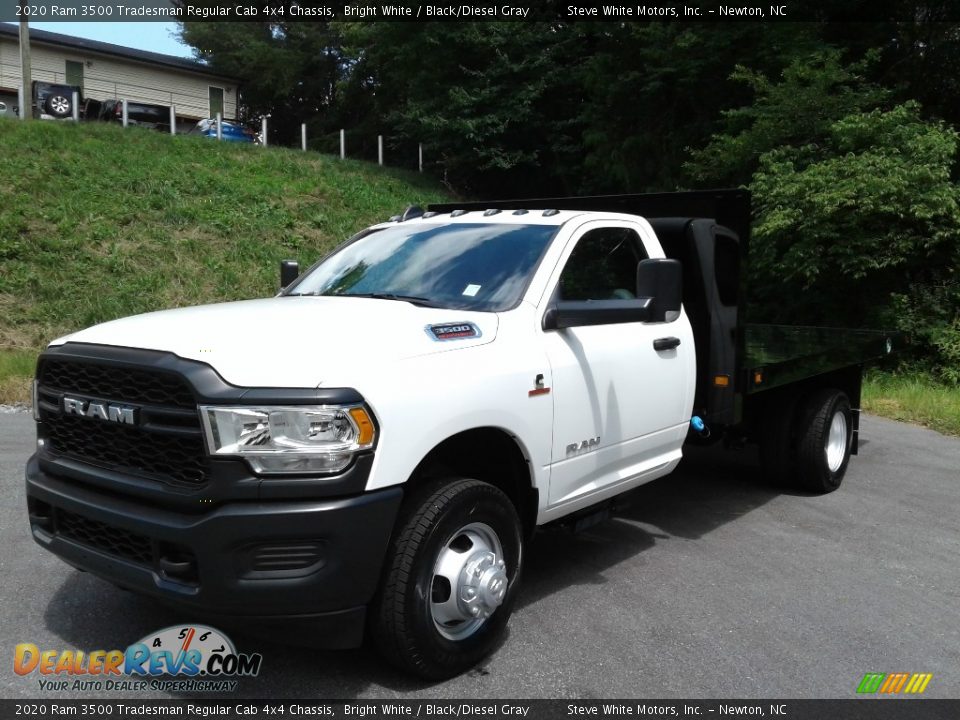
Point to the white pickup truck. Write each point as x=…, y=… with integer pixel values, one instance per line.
x=369, y=451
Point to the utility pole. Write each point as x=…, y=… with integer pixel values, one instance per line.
x=26, y=72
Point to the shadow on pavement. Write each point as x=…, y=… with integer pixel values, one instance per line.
x=710, y=488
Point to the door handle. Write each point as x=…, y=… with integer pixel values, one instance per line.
x=667, y=343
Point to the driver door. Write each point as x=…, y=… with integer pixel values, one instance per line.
x=621, y=407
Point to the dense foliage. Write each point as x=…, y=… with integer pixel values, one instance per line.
x=844, y=132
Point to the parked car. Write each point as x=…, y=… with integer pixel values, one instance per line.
x=147, y=115
x=90, y=109
x=54, y=101
x=229, y=130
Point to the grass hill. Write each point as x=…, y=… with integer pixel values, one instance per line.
x=98, y=222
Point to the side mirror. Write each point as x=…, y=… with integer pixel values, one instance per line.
x=661, y=280
x=579, y=313
x=289, y=271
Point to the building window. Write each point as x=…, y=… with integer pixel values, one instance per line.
x=216, y=101
x=74, y=73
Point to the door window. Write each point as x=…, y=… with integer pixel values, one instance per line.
x=603, y=266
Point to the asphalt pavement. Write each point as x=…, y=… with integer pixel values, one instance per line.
x=710, y=584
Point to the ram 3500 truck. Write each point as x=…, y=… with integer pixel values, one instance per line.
x=370, y=450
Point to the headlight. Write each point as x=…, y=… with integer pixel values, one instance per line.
x=296, y=439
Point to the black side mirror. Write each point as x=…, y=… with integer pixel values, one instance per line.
x=662, y=280
x=289, y=271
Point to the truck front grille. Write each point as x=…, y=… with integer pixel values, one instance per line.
x=166, y=445
x=174, y=562
x=123, y=384
x=167, y=458
x=105, y=538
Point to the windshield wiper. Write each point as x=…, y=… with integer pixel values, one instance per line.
x=413, y=299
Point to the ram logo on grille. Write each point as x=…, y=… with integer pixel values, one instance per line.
x=99, y=411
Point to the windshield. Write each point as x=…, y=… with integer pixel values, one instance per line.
x=478, y=266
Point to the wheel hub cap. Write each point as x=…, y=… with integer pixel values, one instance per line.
x=469, y=581
x=483, y=584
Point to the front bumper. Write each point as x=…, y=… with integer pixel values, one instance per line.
x=315, y=561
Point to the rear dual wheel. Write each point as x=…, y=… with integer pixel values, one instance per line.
x=450, y=579
x=807, y=441
x=825, y=441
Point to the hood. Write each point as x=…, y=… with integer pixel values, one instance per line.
x=292, y=341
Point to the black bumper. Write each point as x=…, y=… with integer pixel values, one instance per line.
x=316, y=562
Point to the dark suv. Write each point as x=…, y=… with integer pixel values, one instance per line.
x=142, y=114
x=54, y=100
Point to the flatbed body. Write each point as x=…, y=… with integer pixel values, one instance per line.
x=779, y=355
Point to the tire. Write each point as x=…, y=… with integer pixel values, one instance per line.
x=777, y=445
x=825, y=439
x=58, y=105
x=451, y=536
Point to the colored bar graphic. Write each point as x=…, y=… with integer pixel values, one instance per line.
x=918, y=683
x=871, y=682
x=894, y=683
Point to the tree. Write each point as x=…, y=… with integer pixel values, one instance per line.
x=653, y=90
x=290, y=71
x=485, y=98
x=861, y=228
x=814, y=92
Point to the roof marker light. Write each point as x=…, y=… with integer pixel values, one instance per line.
x=550, y=213
x=520, y=212
x=411, y=212
x=428, y=214
x=491, y=211
x=458, y=213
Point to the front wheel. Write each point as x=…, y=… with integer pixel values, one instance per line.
x=450, y=580
x=825, y=441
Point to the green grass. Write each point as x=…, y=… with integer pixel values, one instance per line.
x=16, y=370
x=98, y=222
x=913, y=398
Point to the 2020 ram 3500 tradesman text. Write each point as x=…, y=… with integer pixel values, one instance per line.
x=370, y=449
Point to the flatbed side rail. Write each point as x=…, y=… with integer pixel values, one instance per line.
x=778, y=355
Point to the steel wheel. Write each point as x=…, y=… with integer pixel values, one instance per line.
x=450, y=578
x=825, y=440
x=469, y=581
x=837, y=441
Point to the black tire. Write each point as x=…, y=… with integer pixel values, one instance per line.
x=58, y=105
x=778, y=456
x=432, y=521
x=821, y=464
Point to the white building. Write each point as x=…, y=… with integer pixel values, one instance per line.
x=106, y=71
